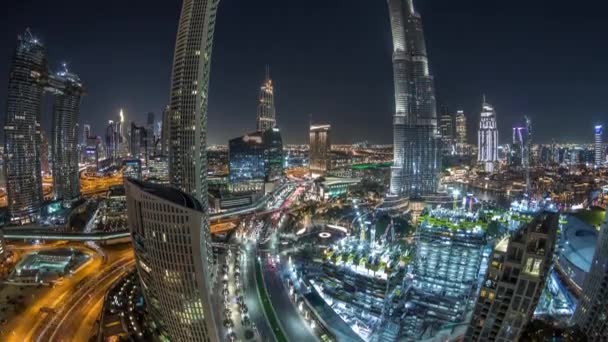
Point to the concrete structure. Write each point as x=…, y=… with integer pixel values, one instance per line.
x=487, y=137
x=266, y=109
x=174, y=260
x=319, y=154
x=68, y=90
x=189, y=98
x=28, y=75
x=592, y=310
x=515, y=279
x=417, y=159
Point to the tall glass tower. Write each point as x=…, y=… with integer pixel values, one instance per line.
x=599, y=145
x=266, y=109
x=417, y=159
x=189, y=98
x=28, y=74
x=68, y=91
x=487, y=137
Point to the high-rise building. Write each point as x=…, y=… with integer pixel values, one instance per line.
x=487, y=137
x=255, y=159
x=461, y=132
x=27, y=77
x=68, y=91
x=599, y=145
x=417, y=159
x=273, y=154
x=446, y=129
x=266, y=109
x=139, y=142
x=515, y=279
x=174, y=260
x=111, y=141
x=446, y=271
x=592, y=311
x=121, y=136
x=45, y=161
x=189, y=98
x=246, y=163
x=86, y=133
x=150, y=134
x=165, y=132
x=319, y=154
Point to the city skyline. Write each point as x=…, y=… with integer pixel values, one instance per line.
x=150, y=231
x=511, y=98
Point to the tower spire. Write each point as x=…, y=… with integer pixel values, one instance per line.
x=267, y=72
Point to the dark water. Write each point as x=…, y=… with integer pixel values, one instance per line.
x=500, y=198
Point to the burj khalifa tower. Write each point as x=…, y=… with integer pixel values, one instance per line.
x=416, y=145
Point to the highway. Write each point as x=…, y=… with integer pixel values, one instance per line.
x=68, y=320
x=57, y=300
x=252, y=299
x=293, y=324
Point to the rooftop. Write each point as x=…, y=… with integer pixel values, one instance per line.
x=169, y=194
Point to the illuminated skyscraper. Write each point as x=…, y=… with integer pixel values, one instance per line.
x=592, y=312
x=266, y=109
x=86, y=133
x=446, y=129
x=417, y=161
x=27, y=78
x=174, y=260
x=599, y=145
x=487, y=137
x=461, y=132
x=519, y=267
x=165, y=132
x=319, y=154
x=123, y=140
x=68, y=91
x=446, y=271
x=111, y=141
x=189, y=98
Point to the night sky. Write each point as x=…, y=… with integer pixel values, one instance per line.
x=332, y=59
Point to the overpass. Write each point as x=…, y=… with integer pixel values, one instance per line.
x=37, y=232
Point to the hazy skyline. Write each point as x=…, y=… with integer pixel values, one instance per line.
x=332, y=60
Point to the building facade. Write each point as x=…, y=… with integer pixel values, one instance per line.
x=446, y=271
x=592, y=312
x=266, y=109
x=111, y=141
x=519, y=267
x=417, y=158
x=319, y=153
x=174, y=260
x=599, y=145
x=446, y=129
x=189, y=97
x=487, y=138
x=86, y=133
x=68, y=91
x=246, y=156
x=165, y=132
x=461, y=132
x=27, y=77
x=273, y=155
